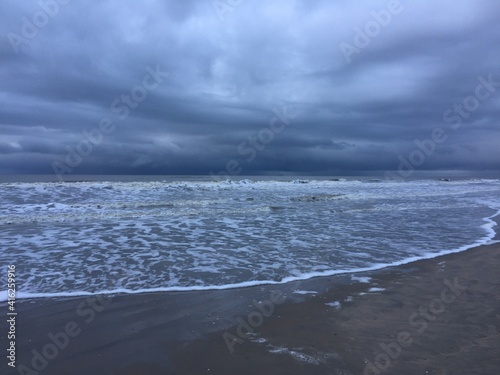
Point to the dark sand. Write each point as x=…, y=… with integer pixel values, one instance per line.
x=441, y=329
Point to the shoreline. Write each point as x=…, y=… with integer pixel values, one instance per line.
x=159, y=333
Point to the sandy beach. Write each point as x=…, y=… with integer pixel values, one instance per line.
x=437, y=316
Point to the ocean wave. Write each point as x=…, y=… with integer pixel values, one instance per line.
x=488, y=227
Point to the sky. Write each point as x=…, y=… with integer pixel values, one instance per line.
x=249, y=87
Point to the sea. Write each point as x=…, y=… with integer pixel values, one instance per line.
x=132, y=234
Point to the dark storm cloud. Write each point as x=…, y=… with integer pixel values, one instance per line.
x=253, y=87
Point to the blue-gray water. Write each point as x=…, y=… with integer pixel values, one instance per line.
x=182, y=233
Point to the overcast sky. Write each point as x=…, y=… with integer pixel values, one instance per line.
x=248, y=86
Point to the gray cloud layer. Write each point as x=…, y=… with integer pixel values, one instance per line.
x=234, y=68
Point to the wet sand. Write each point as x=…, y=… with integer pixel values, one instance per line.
x=437, y=316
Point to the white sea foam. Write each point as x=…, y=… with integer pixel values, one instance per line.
x=295, y=354
x=304, y=292
x=361, y=279
x=336, y=304
x=375, y=289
